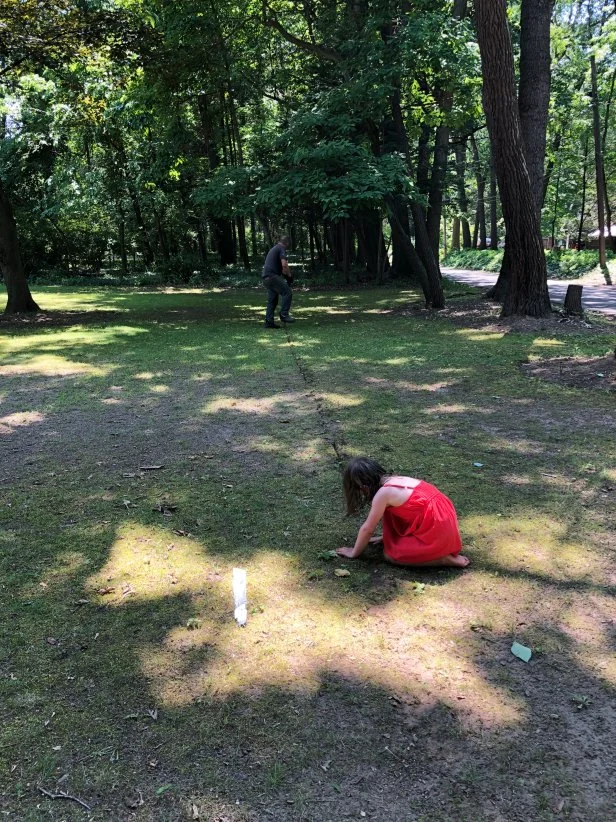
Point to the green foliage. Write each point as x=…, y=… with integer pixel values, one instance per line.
x=562, y=264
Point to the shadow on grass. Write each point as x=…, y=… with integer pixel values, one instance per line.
x=340, y=695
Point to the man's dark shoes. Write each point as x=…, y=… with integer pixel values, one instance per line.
x=287, y=319
x=272, y=325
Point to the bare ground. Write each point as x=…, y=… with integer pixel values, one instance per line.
x=417, y=710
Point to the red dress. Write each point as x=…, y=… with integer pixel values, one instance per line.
x=423, y=528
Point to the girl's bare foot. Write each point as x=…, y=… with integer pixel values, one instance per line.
x=456, y=561
x=449, y=561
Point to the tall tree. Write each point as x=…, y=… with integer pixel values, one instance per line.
x=528, y=291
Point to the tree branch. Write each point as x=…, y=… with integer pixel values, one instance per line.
x=312, y=48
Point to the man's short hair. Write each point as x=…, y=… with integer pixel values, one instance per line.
x=285, y=239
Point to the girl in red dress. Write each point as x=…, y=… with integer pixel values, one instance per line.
x=420, y=526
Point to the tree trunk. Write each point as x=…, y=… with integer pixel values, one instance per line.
x=122, y=240
x=460, y=154
x=528, y=291
x=400, y=267
x=584, y=187
x=534, y=89
x=437, y=185
x=241, y=233
x=493, y=208
x=598, y=164
x=480, y=221
x=223, y=238
x=455, y=234
x=368, y=227
x=19, y=296
x=253, y=236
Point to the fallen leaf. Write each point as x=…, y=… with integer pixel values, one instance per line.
x=52, y=640
x=194, y=812
x=342, y=572
x=153, y=713
x=150, y=467
x=163, y=789
x=325, y=765
x=104, y=591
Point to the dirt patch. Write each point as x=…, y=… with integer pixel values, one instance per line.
x=577, y=372
x=480, y=313
x=60, y=319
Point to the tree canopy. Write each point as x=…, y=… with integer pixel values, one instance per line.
x=147, y=135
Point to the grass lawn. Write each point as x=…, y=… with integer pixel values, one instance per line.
x=389, y=694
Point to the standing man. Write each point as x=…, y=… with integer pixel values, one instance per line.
x=276, y=278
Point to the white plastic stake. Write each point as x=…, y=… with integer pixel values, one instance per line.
x=239, y=596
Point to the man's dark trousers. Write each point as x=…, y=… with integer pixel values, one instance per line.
x=277, y=285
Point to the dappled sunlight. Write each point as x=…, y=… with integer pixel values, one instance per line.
x=479, y=336
x=533, y=544
x=75, y=336
x=341, y=400
x=542, y=342
x=296, y=636
x=152, y=375
x=453, y=408
x=147, y=563
x=20, y=419
x=403, y=385
x=521, y=446
x=309, y=451
x=516, y=479
x=590, y=624
x=52, y=365
x=275, y=404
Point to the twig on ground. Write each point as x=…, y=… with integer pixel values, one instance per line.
x=65, y=796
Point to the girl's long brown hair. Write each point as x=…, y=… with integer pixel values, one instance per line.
x=361, y=480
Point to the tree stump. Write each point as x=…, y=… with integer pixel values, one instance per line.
x=573, y=300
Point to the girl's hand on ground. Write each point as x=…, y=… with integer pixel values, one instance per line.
x=376, y=540
x=345, y=552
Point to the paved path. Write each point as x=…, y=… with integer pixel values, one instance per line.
x=594, y=297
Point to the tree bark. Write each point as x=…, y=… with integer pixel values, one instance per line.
x=19, y=297
x=573, y=300
x=598, y=163
x=534, y=89
x=455, y=234
x=528, y=291
x=480, y=221
x=460, y=154
x=493, y=208
x=584, y=187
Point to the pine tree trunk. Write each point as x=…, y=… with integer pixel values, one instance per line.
x=528, y=291
x=19, y=296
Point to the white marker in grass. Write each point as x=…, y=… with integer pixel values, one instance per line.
x=239, y=595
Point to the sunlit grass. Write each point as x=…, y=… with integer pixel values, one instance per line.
x=115, y=606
